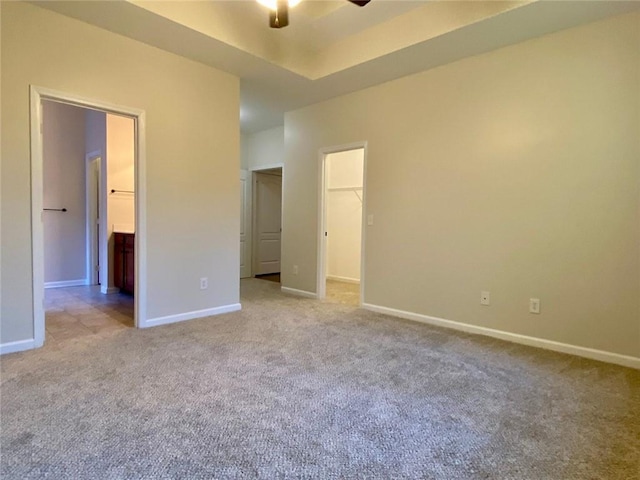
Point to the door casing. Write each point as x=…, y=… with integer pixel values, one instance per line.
x=94, y=198
x=250, y=209
x=255, y=229
x=245, y=224
x=36, y=95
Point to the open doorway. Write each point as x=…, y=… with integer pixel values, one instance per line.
x=267, y=223
x=84, y=179
x=82, y=263
x=341, y=234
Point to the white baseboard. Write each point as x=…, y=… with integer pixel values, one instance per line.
x=300, y=293
x=601, y=355
x=109, y=290
x=19, y=346
x=67, y=283
x=181, y=317
x=343, y=279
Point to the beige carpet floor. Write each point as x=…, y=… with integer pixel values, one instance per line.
x=343, y=292
x=296, y=388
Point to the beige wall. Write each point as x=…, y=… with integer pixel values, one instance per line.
x=96, y=131
x=244, y=151
x=63, y=138
x=265, y=148
x=192, y=157
x=1, y=165
x=515, y=171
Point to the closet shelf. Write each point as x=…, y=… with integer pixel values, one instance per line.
x=347, y=189
x=343, y=189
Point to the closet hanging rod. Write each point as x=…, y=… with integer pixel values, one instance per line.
x=121, y=191
x=55, y=209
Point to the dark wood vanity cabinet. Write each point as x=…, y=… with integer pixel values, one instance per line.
x=123, y=261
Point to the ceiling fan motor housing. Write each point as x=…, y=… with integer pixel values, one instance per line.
x=279, y=17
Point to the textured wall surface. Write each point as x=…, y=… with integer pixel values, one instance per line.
x=515, y=171
x=192, y=144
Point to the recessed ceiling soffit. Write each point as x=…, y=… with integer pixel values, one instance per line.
x=326, y=37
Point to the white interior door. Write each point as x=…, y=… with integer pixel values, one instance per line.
x=245, y=245
x=268, y=215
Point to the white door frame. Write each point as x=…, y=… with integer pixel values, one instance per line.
x=93, y=161
x=252, y=213
x=322, y=216
x=245, y=223
x=37, y=95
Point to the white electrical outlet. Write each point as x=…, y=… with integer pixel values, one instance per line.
x=370, y=219
x=295, y=269
x=534, y=305
x=204, y=283
x=485, y=298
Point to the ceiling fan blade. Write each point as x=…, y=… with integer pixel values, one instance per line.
x=360, y=3
x=279, y=17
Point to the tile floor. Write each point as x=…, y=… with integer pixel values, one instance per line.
x=74, y=312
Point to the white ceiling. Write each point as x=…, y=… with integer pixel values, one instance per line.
x=331, y=47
